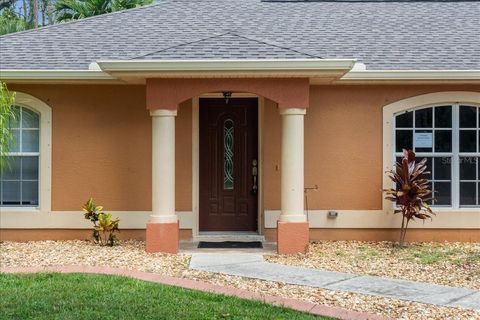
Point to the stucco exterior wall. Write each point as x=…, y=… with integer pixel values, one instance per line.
x=101, y=138
x=101, y=147
x=343, y=144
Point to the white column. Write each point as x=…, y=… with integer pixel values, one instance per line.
x=292, y=166
x=163, y=166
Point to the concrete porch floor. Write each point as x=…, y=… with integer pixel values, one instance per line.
x=191, y=246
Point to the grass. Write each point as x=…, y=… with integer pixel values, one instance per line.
x=83, y=296
x=419, y=253
x=433, y=254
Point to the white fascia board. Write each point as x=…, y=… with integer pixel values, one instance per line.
x=373, y=75
x=225, y=65
x=54, y=75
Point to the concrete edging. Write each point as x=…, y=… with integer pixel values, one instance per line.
x=295, y=304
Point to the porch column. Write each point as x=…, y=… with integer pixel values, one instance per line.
x=292, y=227
x=162, y=228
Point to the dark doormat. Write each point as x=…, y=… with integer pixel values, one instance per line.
x=230, y=244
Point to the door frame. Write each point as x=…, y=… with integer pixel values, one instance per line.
x=196, y=157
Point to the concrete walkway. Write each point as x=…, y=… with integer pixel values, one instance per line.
x=252, y=265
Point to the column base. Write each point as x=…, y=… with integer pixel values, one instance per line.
x=292, y=237
x=162, y=237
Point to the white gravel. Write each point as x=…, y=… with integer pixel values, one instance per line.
x=450, y=264
x=132, y=255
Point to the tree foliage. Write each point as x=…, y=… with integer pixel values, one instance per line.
x=19, y=15
x=7, y=115
x=67, y=10
x=10, y=22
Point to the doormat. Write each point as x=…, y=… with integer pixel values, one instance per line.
x=230, y=244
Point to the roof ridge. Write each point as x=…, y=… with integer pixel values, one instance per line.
x=223, y=34
x=276, y=45
x=179, y=45
x=160, y=2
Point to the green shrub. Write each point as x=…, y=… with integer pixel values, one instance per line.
x=104, y=226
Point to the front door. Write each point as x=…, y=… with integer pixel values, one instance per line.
x=228, y=164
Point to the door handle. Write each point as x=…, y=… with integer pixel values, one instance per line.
x=254, y=175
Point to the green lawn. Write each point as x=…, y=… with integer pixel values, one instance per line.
x=83, y=296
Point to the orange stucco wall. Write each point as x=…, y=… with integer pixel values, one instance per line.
x=343, y=144
x=101, y=146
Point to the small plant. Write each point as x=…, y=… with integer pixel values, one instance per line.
x=104, y=226
x=412, y=192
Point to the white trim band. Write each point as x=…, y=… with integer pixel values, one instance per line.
x=34, y=219
x=11, y=74
x=412, y=75
x=379, y=219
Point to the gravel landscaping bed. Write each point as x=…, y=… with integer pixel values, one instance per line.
x=450, y=264
x=132, y=255
x=129, y=255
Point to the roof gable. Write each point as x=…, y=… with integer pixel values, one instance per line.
x=225, y=46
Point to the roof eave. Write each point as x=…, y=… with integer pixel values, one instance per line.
x=136, y=70
x=423, y=76
x=226, y=65
x=55, y=76
x=337, y=71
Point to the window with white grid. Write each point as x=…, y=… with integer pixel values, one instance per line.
x=19, y=181
x=448, y=135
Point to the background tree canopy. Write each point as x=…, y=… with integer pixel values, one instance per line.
x=18, y=15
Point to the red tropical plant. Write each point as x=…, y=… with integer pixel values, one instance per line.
x=412, y=192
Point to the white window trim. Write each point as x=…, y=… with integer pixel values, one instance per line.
x=389, y=111
x=45, y=166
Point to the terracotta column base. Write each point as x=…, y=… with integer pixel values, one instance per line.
x=292, y=237
x=162, y=237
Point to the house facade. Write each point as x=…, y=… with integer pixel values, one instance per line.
x=276, y=118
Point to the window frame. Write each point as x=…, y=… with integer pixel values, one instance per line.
x=28, y=101
x=423, y=101
x=455, y=154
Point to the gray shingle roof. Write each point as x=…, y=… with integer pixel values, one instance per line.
x=383, y=35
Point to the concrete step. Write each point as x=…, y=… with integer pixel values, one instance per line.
x=229, y=236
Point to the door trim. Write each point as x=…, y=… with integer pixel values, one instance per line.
x=196, y=157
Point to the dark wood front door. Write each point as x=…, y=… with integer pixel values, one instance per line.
x=228, y=164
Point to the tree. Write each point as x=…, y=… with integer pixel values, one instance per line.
x=412, y=193
x=7, y=4
x=18, y=15
x=10, y=22
x=67, y=10
x=7, y=99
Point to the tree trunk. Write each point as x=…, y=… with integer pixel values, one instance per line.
x=49, y=11
x=400, y=242
x=43, y=11
x=403, y=232
x=25, y=11
x=34, y=13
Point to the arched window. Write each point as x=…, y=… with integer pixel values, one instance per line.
x=25, y=183
x=448, y=135
x=19, y=181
